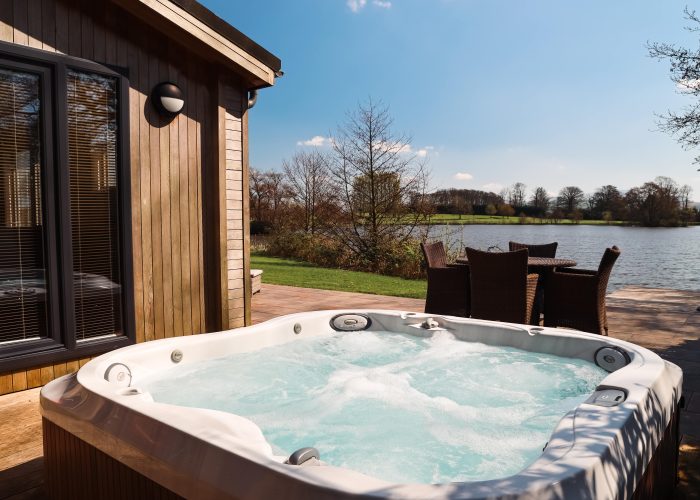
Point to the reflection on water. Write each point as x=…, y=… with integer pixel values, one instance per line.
x=653, y=257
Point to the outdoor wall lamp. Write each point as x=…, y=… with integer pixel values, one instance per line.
x=168, y=98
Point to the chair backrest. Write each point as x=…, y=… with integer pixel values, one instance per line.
x=606, y=265
x=434, y=253
x=546, y=250
x=498, y=284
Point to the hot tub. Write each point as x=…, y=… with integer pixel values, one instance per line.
x=138, y=422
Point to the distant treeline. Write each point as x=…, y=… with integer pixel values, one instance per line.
x=661, y=202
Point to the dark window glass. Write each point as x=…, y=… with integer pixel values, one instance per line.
x=23, y=292
x=92, y=158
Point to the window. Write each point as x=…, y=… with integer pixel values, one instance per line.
x=65, y=287
x=22, y=299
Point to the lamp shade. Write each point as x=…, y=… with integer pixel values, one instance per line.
x=168, y=98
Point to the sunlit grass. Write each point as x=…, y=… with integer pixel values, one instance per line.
x=293, y=273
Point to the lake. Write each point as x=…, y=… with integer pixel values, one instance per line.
x=653, y=257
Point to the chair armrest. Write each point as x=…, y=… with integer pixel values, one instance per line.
x=573, y=270
x=532, y=280
x=570, y=279
x=530, y=294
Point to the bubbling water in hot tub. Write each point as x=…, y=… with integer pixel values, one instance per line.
x=394, y=406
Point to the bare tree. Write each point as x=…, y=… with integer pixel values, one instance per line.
x=684, y=193
x=279, y=193
x=375, y=176
x=684, y=196
x=569, y=199
x=540, y=199
x=516, y=194
x=309, y=182
x=685, y=73
x=654, y=203
x=268, y=195
x=259, y=194
x=607, y=199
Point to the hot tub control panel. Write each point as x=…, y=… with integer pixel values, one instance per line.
x=608, y=396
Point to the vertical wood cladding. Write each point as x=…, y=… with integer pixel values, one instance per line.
x=76, y=470
x=167, y=161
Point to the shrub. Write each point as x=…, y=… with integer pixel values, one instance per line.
x=395, y=258
x=260, y=227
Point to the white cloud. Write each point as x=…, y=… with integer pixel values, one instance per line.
x=395, y=147
x=463, y=176
x=320, y=141
x=356, y=5
x=408, y=149
x=494, y=187
x=688, y=85
x=316, y=141
x=423, y=152
x=403, y=148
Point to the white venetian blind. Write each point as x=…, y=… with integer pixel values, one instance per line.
x=92, y=154
x=22, y=275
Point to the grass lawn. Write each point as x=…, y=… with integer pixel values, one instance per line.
x=290, y=272
x=500, y=219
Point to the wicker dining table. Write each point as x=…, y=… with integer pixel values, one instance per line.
x=542, y=266
x=535, y=263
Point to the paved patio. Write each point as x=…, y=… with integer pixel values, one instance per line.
x=665, y=321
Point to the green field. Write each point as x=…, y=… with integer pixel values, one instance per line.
x=499, y=219
x=290, y=272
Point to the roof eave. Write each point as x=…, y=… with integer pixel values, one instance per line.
x=181, y=21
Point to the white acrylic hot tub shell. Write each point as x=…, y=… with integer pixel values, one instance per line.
x=595, y=452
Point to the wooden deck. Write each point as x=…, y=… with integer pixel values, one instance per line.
x=665, y=321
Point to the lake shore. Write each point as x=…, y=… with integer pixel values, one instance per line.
x=476, y=220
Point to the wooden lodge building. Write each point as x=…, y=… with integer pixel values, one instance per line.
x=121, y=219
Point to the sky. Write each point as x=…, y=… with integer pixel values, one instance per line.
x=492, y=92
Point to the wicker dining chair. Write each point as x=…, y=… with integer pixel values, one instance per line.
x=575, y=298
x=501, y=288
x=448, y=285
x=546, y=250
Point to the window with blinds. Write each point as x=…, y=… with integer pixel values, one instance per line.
x=23, y=291
x=92, y=158
x=65, y=280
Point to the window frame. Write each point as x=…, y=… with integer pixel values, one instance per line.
x=61, y=344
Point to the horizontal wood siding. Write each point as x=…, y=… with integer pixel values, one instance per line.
x=234, y=102
x=166, y=163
